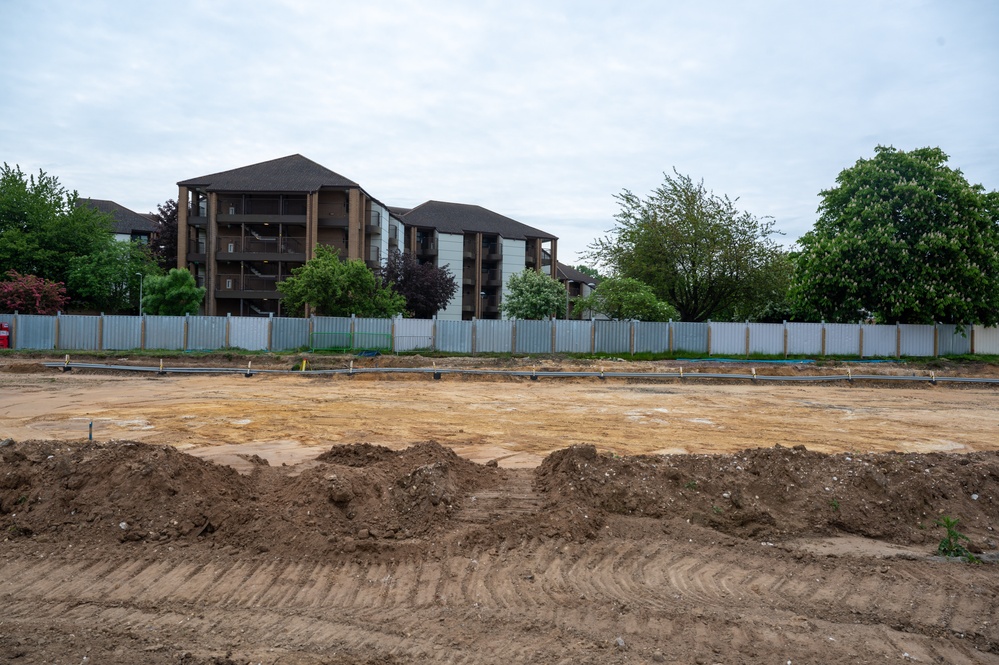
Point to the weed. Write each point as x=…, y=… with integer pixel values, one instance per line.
x=21, y=499
x=716, y=510
x=834, y=504
x=953, y=543
x=692, y=485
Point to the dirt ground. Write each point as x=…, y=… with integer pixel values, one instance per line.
x=292, y=519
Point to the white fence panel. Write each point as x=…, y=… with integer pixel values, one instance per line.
x=573, y=336
x=414, y=334
x=289, y=333
x=953, y=340
x=915, y=340
x=122, y=333
x=842, y=339
x=690, y=337
x=250, y=333
x=804, y=339
x=373, y=334
x=612, y=336
x=879, y=340
x=330, y=332
x=766, y=338
x=986, y=340
x=165, y=332
x=493, y=336
x=533, y=337
x=728, y=339
x=454, y=336
x=651, y=337
x=205, y=333
x=80, y=333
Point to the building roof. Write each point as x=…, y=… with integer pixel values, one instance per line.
x=293, y=173
x=125, y=220
x=461, y=218
x=568, y=272
x=398, y=210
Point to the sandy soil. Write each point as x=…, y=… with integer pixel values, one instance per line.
x=274, y=546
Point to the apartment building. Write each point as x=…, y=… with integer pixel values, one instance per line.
x=242, y=231
x=480, y=247
x=128, y=224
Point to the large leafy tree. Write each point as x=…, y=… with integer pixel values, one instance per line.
x=108, y=279
x=626, y=298
x=426, y=288
x=173, y=294
x=902, y=237
x=534, y=295
x=332, y=287
x=166, y=247
x=28, y=294
x=693, y=248
x=42, y=228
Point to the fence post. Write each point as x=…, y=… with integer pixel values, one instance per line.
x=972, y=339
x=58, y=320
x=593, y=336
x=669, y=335
x=475, y=336
x=228, y=324
x=785, y=340
x=433, y=334
x=312, y=329
x=350, y=336
x=187, y=324
x=709, y=337
x=270, y=331
x=823, y=337
x=513, y=336
x=100, y=333
x=898, y=340
x=631, y=342
x=860, y=333
x=936, y=339
x=555, y=333
x=392, y=332
x=747, y=338
x=142, y=332
x=13, y=330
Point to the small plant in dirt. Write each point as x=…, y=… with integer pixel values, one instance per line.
x=716, y=510
x=834, y=504
x=953, y=544
x=692, y=485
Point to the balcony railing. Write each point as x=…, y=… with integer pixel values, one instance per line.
x=196, y=246
x=262, y=245
x=426, y=247
x=262, y=206
x=247, y=283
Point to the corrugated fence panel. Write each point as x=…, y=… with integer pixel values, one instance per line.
x=573, y=336
x=951, y=342
x=35, y=332
x=205, y=333
x=842, y=339
x=165, y=332
x=414, y=334
x=612, y=336
x=122, y=332
x=766, y=338
x=454, y=336
x=651, y=337
x=330, y=332
x=289, y=333
x=493, y=336
x=690, y=337
x=79, y=332
x=917, y=341
x=728, y=339
x=373, y=334
x=249, y=332
x=804, y=339
x=534, y=336
x=879, y=340
x=986, y=340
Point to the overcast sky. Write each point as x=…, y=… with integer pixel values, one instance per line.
x=540, y=111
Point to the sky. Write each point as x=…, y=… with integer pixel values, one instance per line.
x=542, y=111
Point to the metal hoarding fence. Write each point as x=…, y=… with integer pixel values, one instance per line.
x=206, y=333
x=78, y=332
x=534, y=336
x=165, y=332
x=120, y=333
x=914, y=340
x=651, y=337
x=573, y=336
x=766, y=338
x=612, y=336
x=249, y=332
x=288, y=334
x=493, y=336
x=728, y=339
x=690, y=337
x=953, y=340
x=804, y=339
x=879, y=340
x=414, y=335
x=454, y=336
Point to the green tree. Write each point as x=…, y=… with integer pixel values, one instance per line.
x=173, y=294
x=332, y=287
x=42, y=228
x=903, y=238
x=108, y=280
x=587, y=270
x=533, y=295
x=625, y=298
x=693, y=248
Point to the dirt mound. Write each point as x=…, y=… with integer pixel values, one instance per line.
x=779, y=493
x=356, y=454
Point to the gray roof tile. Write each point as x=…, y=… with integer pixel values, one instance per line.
x=125, y=220
x=461, y=218
x=293, y=173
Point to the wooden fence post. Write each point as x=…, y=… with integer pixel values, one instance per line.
x=860, y=333
x=747, y=338
x=709, y=337
x=669, y=333
x=898, y=340
x=785, y=340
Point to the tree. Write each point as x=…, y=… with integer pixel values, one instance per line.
x=426, y=288
x=332, y=287
x=42, y=228
x=173, y=294
x=166, y=220
x=28, y=294
x=902, y=238
x=625, y=298
x=533, y=295
x=108, y=280
x=693, y=248
x=587, y=270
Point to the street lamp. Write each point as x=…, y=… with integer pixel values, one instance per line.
x=140, y=292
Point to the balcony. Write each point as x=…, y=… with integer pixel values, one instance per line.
x=261, y=248
x=256, y=209
x=247, y=286
x=492, y=252
x=491, y=278
x=374, y=260
x=395, y=235
x=196, y=250
x=426, y=247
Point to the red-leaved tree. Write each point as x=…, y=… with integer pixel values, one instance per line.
x=29, y=294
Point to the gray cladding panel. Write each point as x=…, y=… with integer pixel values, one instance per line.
x=534, y=337
x=79, y=333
